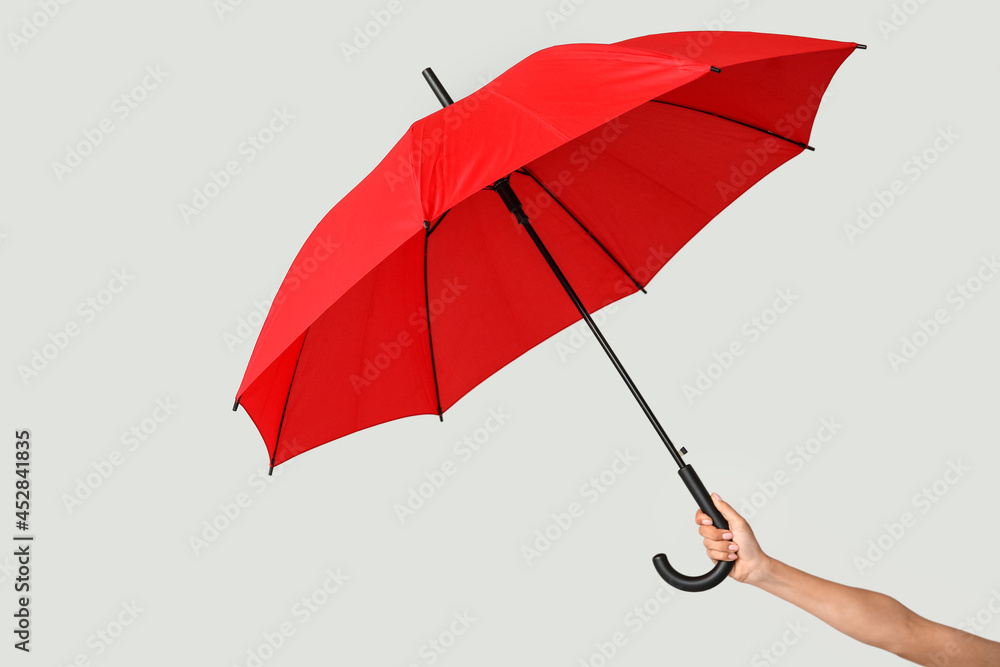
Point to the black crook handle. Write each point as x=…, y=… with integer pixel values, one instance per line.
x=717, y=574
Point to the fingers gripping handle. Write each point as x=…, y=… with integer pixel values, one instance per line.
x=717, y=574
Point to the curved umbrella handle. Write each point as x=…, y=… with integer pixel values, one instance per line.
x=683, y=582
x=717, y=574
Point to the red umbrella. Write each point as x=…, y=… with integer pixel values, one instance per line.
x=422, y=282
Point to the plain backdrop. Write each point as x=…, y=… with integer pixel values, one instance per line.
x=158, y=540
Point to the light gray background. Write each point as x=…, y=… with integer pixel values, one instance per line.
x=164, y=337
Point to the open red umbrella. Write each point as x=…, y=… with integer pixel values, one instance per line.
x=591, y=163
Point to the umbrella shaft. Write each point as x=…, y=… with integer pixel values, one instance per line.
x=502, y=187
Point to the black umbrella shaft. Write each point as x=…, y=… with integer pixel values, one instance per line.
x=502, y=187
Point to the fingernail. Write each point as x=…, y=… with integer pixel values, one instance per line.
x=732, y=556
x=706, y=522
x=727, y=536
x=733, y=547
x=716, y=495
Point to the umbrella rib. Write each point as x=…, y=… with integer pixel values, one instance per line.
x=287, y=396
x=427, y=310
x=430, y=228
x=556, y=199
x=738, y=122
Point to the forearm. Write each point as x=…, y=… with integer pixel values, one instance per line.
x=872, y=618
x=876, y=619
x=869, y=617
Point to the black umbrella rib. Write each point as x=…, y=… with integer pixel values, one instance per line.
x=738, y=122
x=430, y=228
x=524, y=170
x=427, y=309
x=287, y=396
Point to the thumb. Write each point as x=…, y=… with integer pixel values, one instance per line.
x=731, y=515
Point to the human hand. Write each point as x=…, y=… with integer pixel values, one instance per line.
x=737, y=544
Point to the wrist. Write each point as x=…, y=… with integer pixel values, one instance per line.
x=764, y=572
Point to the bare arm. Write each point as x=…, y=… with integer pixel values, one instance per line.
x=869, y=617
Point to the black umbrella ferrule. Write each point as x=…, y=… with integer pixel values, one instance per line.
x=435, y=83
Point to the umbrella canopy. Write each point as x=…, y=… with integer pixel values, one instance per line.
x=419, y=284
